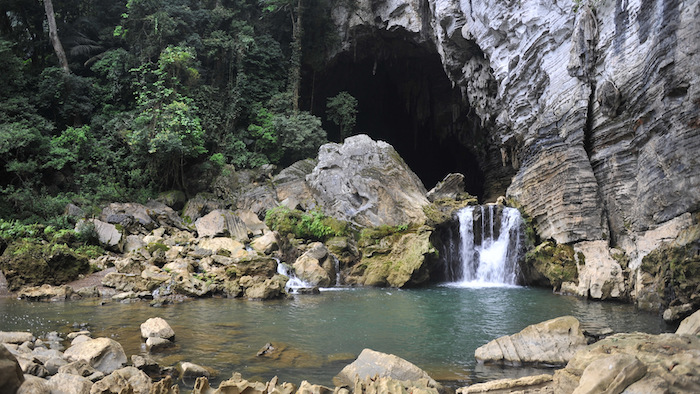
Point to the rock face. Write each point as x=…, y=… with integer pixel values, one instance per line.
x=593, y=107
x=367, y=182
x=370, y=364
x=553, y=342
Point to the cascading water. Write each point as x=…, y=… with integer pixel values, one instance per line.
x=488, y=249
x=294, y=284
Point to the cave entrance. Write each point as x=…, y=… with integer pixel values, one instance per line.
x=406, y=99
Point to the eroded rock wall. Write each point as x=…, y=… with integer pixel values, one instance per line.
x=594, y=105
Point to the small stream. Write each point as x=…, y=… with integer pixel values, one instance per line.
x=436, y=328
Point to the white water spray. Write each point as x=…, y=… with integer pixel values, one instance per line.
x=491, y=257
x=294, y=284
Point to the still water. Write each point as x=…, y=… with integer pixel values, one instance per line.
x=436, y=328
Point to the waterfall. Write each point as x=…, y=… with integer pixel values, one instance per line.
x=488, y=249
x=295, y=284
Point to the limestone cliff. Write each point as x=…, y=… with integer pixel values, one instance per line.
x=593, y=105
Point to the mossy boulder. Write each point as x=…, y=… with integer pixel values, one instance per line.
x=442, y=210
x=401, y=259
x=675, y=270
x=550, y=264
x=32, y=262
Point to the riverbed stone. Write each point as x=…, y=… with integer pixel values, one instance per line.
x=611, y=374
x=104, y=354
x=672, y=362
x=553, y=342
x=259, y=288
x=155, y=344
x=157, y=327
x=34, y=385
x=17, y=337
x=11, y=375
x=82, y=368
x=690, y=325
x=508, y=385
x=65, y=383
x=370, y=364
x=46, y=292
x=192, y=370
x=124, y=380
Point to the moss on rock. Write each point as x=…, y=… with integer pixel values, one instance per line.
x=551, y=264
x=442, y=210
x=400, y=259
x=32, y=262
x=676, y=272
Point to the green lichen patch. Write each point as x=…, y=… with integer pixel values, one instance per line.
x=676, y=271
x=31, y=262
x=442, y=210
x=551, y=264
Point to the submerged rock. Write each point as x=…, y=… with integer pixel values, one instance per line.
x=157, y=327
x=553, y=342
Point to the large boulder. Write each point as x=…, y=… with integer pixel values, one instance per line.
x=310, y=266
x=221, y=223
x=553, y=342
x=156, y=327
x=636, y=363
x=16, y=337
x=104, y=354
x=367, y=182
x=600, y=275
x=259, y=288
x=11, y=375
x=124, y=380
x=371, y=364
x=65, y=383
x=690, y=325
x=46, y=293
x=291, y=187
x=402, y=259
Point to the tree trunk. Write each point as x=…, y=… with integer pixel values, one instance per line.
x=295, y=67
x=53, y=35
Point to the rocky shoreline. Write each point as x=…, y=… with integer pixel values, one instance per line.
x=619, y=363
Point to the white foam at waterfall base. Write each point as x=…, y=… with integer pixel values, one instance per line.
x=494, y=261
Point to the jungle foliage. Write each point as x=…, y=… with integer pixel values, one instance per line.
x=156, y=92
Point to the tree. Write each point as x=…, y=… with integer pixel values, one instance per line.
x=53, y=35
x=341, y=109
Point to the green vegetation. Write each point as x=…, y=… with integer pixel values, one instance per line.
x=676, y=270
x=312, y=225
x=342, y=110
x=152, y=93
x=554, y=262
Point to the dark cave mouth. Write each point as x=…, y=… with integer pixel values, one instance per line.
x=406, y=99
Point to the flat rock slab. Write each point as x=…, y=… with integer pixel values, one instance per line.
x=553, y=342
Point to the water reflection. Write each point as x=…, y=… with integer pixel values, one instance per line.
x=437, y=328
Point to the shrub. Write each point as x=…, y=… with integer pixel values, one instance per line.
x=312, y=225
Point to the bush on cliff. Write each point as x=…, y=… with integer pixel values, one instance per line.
x=312, y=225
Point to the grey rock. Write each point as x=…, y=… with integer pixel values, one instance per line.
x=128, y=379
x=450, y=187
x=65, y=383
x=221, y=223
x=371, y=364
x=553, y=342
x=17, y=337
x=157, y=327
x=34, y=385
x=367, y=182
x=11, y=375
x=104, y=354
x=690, y=325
